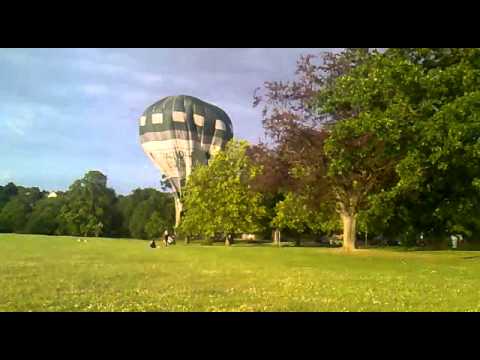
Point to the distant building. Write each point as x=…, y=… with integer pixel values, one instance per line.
x=53, y=194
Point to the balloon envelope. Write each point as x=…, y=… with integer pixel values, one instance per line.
x=179, y=132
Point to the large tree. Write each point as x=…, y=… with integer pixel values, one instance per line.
x=401, y=123
x=298, y=129
x=15, y=213
x=156, y=225
x=6, y=193
x=87, y=209
x=14, y=216
x=425, y=104
x=44, y=217
x=218, y=197
x=145, y=213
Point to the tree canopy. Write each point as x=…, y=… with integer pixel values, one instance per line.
x=218, y=197
x=88, y=208
x=368, y=130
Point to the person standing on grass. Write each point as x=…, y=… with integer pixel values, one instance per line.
x=165, y=237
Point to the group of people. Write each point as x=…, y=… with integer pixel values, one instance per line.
x=168, y=239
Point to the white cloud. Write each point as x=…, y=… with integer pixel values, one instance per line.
x=21, y=117
x=19, y=121
x=18, y=127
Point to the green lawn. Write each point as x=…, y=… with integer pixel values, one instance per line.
x=43, y=273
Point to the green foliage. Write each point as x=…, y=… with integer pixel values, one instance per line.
x=14, y=215
x=134, y=211
x=294, y=213
x=400, y=148
x=148, y=213
x=156, y=225
x=16, y=212
x=87, y=209
x=6, y=193
x=44, y=217
x=218, y=198
x=421, y=107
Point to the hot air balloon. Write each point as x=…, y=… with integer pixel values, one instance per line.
x=179, y=132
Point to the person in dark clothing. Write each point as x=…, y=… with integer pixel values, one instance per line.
x=153, y=245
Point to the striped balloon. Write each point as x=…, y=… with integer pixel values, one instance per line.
x=179, y=132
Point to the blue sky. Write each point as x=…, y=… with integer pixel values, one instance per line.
x=66, y=111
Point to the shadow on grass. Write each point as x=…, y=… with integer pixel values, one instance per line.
x=260, y=243
x=290, y=243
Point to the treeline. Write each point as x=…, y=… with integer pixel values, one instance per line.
x=88, y=208
x=362, y=144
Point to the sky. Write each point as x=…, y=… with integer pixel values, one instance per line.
x=64, y=112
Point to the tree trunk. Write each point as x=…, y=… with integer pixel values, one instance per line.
x=349, y=231
x=276, y=237
x=366, y=238
x=187, y=240
x=298, y=241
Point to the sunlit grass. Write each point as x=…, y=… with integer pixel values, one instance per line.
x=42, y=273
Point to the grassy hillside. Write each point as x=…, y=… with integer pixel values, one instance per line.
x=43, y=273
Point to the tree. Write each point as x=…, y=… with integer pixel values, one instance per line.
x=218, y=197
x=14, y=216
x=422, y=104
x=294, y=213
x=361, y=163
x=6, y=193
x=270, y=182
x=87, y=210
x=16, y=212
x=298, y=128
x=148, y=213
x=44, y=217
x=140, y=218
x=401, y=121
x=156, y=225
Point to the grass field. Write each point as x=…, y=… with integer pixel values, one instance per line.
x=43, y=273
